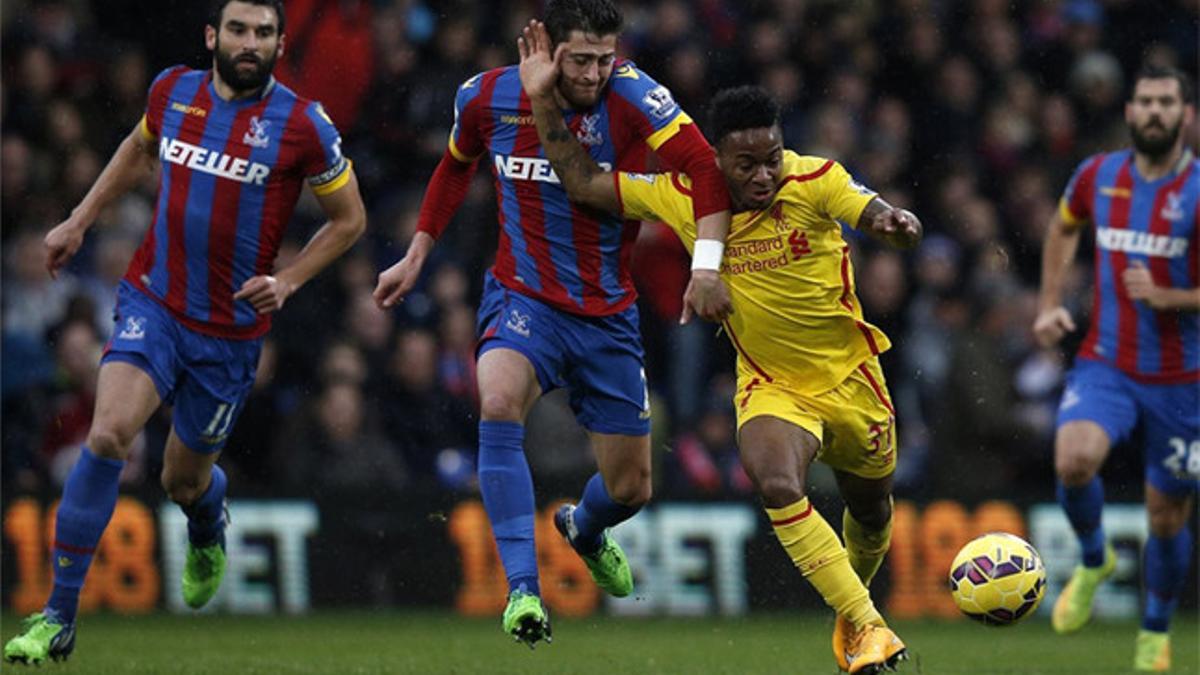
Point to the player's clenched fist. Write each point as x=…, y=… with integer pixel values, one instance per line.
x=61, y=243
x=1139, y=284
x=1051, y=325
x=900, y=227
x=265, y=292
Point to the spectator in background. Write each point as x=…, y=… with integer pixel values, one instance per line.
x=75, y=76
x=334, y=449
x=704, y=460
x=422, y=416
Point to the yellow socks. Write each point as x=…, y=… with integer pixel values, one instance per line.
x=814, y=547
x=866, y=548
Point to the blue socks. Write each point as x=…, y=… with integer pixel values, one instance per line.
x=595, y=512
x=507, y=490
x=88, y=500
x=206, y=517
x=1083, y=505
x=1166, y=570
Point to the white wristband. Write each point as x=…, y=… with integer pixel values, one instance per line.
x=706, y=255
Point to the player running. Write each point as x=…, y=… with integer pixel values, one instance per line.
x=236, y=148
x=1140, y=360
x=809, y=381
x=558, y=307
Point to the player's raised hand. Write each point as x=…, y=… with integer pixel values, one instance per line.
x=539, y=65
x=707, y=297
x=1139, y=284
x=61, y=243
x=899, y=227
x=1051, y=325
x=265, y=292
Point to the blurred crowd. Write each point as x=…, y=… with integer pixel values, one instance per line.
x=972, y=114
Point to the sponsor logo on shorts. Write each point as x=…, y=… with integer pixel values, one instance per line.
x=1070, y=399
x=135, y=328
x=518, y=323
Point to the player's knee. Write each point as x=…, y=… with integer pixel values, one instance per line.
x=1165, y=522
x=181, y=488
x=778, y=490
x=873, y=515
x=632, y=490
x=1073, y=469
x=109, y=442
x=499, y=408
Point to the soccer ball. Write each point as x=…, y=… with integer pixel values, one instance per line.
x=997, y=579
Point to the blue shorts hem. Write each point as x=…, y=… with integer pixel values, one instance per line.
x=1170, y=485
x=196, y=446
x=601, y=427
x=140, y=362
x=497, y=342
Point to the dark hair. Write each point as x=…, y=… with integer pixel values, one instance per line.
x=218, y=6
x=593, y=17
x=1155, y=72
x=740, y=108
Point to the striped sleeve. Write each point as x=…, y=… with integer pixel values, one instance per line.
x=156, y=101
x=466, y=143
x=1075, y=207
x=652, y=111
x=324, y=165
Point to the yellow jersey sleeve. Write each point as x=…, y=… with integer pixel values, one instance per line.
x=659, y=196
x=839, y=195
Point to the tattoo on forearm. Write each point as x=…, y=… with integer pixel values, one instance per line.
x=568, y=157
x=560, y=135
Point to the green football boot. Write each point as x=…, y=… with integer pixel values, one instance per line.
x=608, y=565
x=1153, y=652
x=1074, y=605
x=44, y=636
x=202, y=574
x=526, y=619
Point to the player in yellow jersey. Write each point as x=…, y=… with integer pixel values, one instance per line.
x=809, y=382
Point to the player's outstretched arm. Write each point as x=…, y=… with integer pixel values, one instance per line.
x=134, y=158
x=1058, y=250
x=896, y=227
x=583, y=179
x=347, y=221
x=445, y=193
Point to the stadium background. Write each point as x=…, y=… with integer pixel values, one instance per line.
x=353, y=458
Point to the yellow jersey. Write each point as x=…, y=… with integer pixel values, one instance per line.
x=796, y=318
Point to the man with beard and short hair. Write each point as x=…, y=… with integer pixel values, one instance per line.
x=1140, y=361
x=236, y=148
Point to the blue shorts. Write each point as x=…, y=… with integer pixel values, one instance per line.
x=599, y=359
x=207, y=378
x=1170, y=416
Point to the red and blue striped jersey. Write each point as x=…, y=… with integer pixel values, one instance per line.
x=567, y=256
x=231, y=174
x=1147, y=222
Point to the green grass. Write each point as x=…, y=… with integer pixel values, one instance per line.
x=435, y=642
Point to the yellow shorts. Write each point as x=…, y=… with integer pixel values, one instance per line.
x=855, y=421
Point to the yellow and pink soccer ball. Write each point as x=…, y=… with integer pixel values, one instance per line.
x=997, y=579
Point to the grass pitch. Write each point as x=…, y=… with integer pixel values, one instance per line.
x=436, y=642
